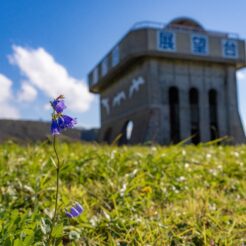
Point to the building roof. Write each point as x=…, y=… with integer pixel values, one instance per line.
x=185, y=22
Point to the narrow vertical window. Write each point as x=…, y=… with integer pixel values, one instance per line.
x=174, y=114
x=126, y=133
x=115, y=56
x=104, y=66
x=194, y=115
x=129, y=130
x=213, y=117
x=95, y=76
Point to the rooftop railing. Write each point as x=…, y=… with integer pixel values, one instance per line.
x=158, y=25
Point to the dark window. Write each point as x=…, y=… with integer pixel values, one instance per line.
x=107, y=135
x=174, y=114
x=126, y=133
x=213, y=117
x=194, y=115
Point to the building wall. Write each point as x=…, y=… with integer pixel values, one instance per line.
x=148, y=107
x=125, y=96
x=140, y=119
x=203, y=76
x=136, y=107
x=234, y=121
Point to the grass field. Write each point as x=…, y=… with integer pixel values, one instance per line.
x=178, y=195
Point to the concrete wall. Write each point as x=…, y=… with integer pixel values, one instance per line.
x=133, y=101
x=203, y=76
x=233, y=118
x=136, y=108
x=140, y=120
x=148, y=108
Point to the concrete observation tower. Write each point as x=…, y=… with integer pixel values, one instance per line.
x=166, y=83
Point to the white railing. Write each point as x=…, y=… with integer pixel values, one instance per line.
x=158, y=25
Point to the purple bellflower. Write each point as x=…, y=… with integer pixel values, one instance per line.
x=58, y=104
x=60, y=121
x=75, y=211
x=55, y=129
x=66, y=121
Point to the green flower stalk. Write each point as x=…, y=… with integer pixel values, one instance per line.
x=59, y=123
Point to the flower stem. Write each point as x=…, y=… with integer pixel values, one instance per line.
x=57, y=187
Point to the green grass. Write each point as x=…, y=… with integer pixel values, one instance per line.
x=131, y=195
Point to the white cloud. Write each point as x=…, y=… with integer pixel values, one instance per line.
x=5, y=92
x=241, y=75
x=27, y=93
x=47, y=107
x=51, y=78
x=7, y=110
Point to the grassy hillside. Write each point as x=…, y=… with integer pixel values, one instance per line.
x=131, y=195
x=27, y=131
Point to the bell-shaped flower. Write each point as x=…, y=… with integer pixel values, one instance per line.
x=58, y=105
x=66, y=121
x=55, y=129
x=60, y=121
x=75, y=211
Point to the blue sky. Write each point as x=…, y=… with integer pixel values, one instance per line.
x=50, y=46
